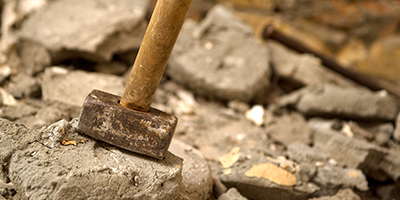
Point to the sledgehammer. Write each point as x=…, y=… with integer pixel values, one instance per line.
x=128, y=121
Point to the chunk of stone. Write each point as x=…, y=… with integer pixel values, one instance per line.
x=303, y=69
x=17, y=111
x=333, y=101
x=259, y=177
x=34, y=57
x=72, y=87
x=91, y=29
x=332, y=178
x=347, y=194
x=56, y=162
x=391, y=165
x=24, y=86
x=300, y=152
x=288, y=127
x=220, y=57
x=232, y=194
x=351, y=152
x=14, y=136
x=44, y=116
x=196, y=175
x=10, y=62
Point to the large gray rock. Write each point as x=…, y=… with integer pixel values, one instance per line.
x=197, y=183
x=351, y=152
x=72, y=87
x=257, y=176
x=332, y=178
x=93, y=29
x=220, y=57
x=59, y=163
x=333, y=101
x=303, y=69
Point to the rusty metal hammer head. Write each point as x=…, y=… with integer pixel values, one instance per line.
x=128, y=121
x=148, y=133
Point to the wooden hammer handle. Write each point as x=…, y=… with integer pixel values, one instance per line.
x=158, y=42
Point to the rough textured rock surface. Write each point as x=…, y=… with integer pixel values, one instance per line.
x=95, y=29
x=351, y=152
x=34, y=57
x=345, y=194
x=24, y=86
x=197, y=182
x=232, y=194
x=56, y=79
x=59, y=163
x=276, y=126
x=334, y=178
x=302, y=69
x=207, y=60
x=281, y=183
x=333, y=101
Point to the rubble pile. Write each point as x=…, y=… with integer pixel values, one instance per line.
x=257, y=120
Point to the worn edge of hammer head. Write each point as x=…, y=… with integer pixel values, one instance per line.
x=103, y=118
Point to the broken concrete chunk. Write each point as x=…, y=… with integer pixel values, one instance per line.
x=34, y=57
x=259, y=177
x=391, y=165
x=205, y=58
x=301, y=152
x=13, y=137
x=231, y=158
x=44, y=116
x=17, y=111
x=332, y=178
x=47, y=169
x=303, y=69
x=10, y=62
x=196, y=175
x=351, y=103
x=351, y=152
x=232, y=194
x=91, y=29
x=347, y=194
x=79, y=84
x=24, y=86
x=288, y=128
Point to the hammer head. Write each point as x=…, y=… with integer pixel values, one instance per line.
x=103, y=118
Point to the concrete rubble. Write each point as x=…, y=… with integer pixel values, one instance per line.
x=303, y=69
x=58, y=163
x=260, y=177
x=206, y=59
x=91, y=29
x=349, y=103
x=196, y=174
x=232, y=194
x=55, y=79
x=347, y=194
x=256, y=119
